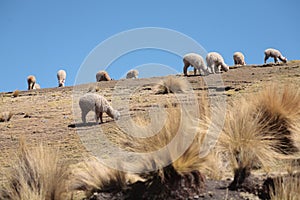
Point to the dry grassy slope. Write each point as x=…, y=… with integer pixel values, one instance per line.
x=45, y=115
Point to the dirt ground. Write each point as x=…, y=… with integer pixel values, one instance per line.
x=47, y=115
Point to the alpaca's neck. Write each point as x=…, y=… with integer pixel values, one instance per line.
x=110, y=112
x=281, y=58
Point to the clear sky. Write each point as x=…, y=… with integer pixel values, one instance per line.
x=41, y=37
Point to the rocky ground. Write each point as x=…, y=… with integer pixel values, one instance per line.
x=51, y=115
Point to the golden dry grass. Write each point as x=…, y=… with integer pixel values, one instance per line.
x=280, y=109
x=181, y=135
x=36, y=174
x=259, y=130
x=90, y=176
x=5, y=116
x=16, y=93
x=287, y=188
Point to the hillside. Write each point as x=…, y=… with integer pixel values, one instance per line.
x=47, y=116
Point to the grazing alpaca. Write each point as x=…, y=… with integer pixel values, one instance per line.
x=61, y=77
x=31, y=82
x=133, y=73
x=195, y=60
x=274, y=53
x=215, y=62
x=102, y=76
x=94, y=102
x=239, y=58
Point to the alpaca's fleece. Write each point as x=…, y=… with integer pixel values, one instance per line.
x=31, y=82
x=196, y=61
x=102, y=76
x=274, y=53
x=61, y=77
x=98, y=104
x=239, y=58
x=36, y=86
x=133, y=73
x=215, y=62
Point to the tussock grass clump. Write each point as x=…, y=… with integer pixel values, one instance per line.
x=261, y=130
x=16, y=93
x=171, y=85
x=280, y=108
x=36, y=174
x=5, y=116
x=246, y=142
x=91, y=176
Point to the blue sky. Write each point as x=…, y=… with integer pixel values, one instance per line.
x=41, y=37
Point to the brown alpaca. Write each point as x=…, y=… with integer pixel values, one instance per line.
x=102, y=76
x=31, y=82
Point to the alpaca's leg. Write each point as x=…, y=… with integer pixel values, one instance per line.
x=100, y=116
x=96, y=117
x=235, y=62
x=185, y=67
x=266, y=58
x=195, y=70
x=212, y=68
x=83, y=115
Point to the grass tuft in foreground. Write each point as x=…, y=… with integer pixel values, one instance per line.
x=260, y=131
x=36, y=174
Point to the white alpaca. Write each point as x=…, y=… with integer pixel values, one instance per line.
x=98, y=104
x=274, y=53
x=61, y=77
x=196, y=61
x=133, y=73
x=31, y=82
x=239, y=58
x=102, y=76
x=215, y=62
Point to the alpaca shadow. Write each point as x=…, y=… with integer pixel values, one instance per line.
x=88, y=124
x=192, y=75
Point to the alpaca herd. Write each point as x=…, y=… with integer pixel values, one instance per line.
x=216, y=64
x=97, y=103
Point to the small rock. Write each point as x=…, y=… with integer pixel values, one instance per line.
x=201, y=195
x=27, y=115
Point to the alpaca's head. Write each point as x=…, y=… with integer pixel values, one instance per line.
x=116, y=115
x=284, y=59
x=225, y=67
x=113, y=113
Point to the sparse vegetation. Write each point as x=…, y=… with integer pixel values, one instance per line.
x=270, y=117
x=171, y=85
